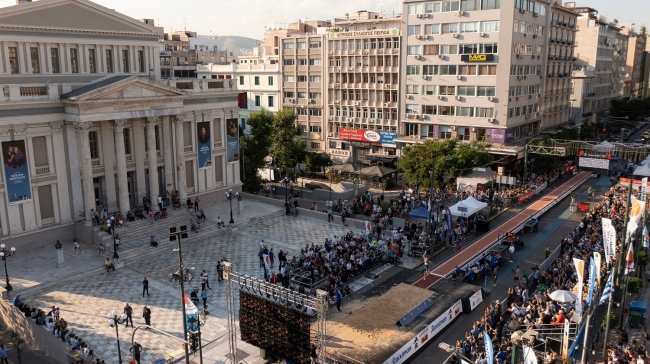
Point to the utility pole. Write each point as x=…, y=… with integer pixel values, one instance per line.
x=433, y=170
x=176, y=235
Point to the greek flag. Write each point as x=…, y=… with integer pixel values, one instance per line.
x=608, y=292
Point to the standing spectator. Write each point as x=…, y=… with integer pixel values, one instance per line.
x=128, y=310
x=572, y=205
x=77, y=248
x=330, y=217
x=117, y=242
x=160, y=203
x=204, y=280
x=271, y=257
x=343, y=213
x=220, y=271
x=204, y=296
x=196, y=203
x=146, y=314
x=261, y=254
x=145, y=286
x=3, y=355
x=136, y=349
x=339, y=299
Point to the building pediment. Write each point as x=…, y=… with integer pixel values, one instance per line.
x=82, y=15
x=124, y=89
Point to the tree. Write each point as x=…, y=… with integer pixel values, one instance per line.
x=315, y=161
x=286, y=149
x=256, y=148
x=453, y=159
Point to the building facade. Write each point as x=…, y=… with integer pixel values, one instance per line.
x=83, y=121
x=634, y=62
x=182, y=51
x=363, y=87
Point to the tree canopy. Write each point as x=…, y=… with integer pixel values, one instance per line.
x=315, y=161
x=256, y=147
x=452, y=160
x=287, y=150
x=633, y=109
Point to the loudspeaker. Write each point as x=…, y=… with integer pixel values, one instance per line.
x=172, y=234
x=184, y=231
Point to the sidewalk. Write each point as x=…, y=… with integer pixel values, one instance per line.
x=29, y=355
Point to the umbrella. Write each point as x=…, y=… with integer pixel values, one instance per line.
x=377, y=171
x=562, y=296
x=347, y=167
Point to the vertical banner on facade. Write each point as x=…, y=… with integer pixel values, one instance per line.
x=191, y=315
x=17, y=184
x=529, y=355
x=598, y=262
x=592, y=281
x=565, y=340
x=580, y=271
x=609, y=240
x=204, y=143
x=232, y=136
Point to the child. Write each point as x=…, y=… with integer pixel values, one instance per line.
x=100, y=248
x=77, y=248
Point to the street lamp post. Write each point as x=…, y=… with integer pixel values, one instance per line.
x=192, y=321
x=115, y=321
x=179, y=275
x=230, y=196
x=110, y=224
x=286, y=182
x=4, y=253
x=433, y=171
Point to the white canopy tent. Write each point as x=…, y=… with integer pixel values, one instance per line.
x=604, y=147
x=467, y=207
x=478, y=175
x=643, y=170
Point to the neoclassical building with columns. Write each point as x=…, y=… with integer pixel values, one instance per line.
x=82, y=96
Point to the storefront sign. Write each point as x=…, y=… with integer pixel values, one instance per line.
x=365, y=33
x=477, y=57
x=370, y=136
x=499, y=136
x=360, y=144
x=16, y=172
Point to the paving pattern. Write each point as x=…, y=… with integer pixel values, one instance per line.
x=86, y=293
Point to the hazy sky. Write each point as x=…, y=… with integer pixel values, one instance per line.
x=249, y=17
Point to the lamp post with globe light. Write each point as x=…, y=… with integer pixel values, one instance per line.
x=4, y=253
x=230, y=196
x=115, y=321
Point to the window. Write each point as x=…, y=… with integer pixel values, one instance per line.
x=314, y=44
x=485, y=112
x=465, y=111
x=447, y=90
x=466, y=91
x=256, y=80
x=315, y=129
x=288, y=62
x=302, y=78
x=286, y=78
x=412, y=89
x=36, y=64
x=415, y=9
x=412, y=70
x=467, y=70
x=315, y=95
x=125, y=61
x=486, y=91
x=490, y=48
x=289, y=94
x=428, y=90
x=487, y=70
x=302, y=95
x=431, y=50
x=315, y=112
x=447, y=70
x=258, y=100
x=462, y=133
x=449, y=28
x=469, y=27
x=470, y=5
x=448, y=6
x=302, y=61
x=127, y=141
x=314, y=62
x=302, y=45
x=241, y=80
x=314, y=79
x=468, y=48
x=315, y=145
x=490, y=26
x=288, y=45
x=92, y=64
x=56, y=68
x=269, y=100
x=445, y=132
x=13, y=60
x=446, y=110
x=413, y=50
x=109, y=61
x=412, y=108
x=432, y=29
x=429, y=109
x=140, y=61
x=431, y=8
x=429, y=70
x=94, y=145
x=449, y=49
x=74, y=60
x=490, y=4
x=414, y=30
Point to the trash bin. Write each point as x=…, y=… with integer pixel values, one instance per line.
x=641, y=307
x=635, y=319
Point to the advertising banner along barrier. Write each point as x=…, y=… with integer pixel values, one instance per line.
x=232, y=140
x=204, y=145
x=584, y=207
x=16, y=168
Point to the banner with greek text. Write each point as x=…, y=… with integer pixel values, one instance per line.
x=489, y=348
x=204, y=142
x=598, y=261
x=609, y=240
x=580, y=271
x=17, y=183
x=592, y=281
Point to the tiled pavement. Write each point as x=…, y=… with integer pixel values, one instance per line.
x=85, y=293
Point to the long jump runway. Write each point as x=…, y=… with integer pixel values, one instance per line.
x=514, y=224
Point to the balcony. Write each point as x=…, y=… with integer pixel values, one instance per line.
x=200, y=86
x=42, y=170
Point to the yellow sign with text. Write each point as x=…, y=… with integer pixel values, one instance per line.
x=477, y=57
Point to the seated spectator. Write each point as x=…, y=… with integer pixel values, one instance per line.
x=219, y=222
x=109, y=265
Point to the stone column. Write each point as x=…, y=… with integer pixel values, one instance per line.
x=167, y=153
x=152, y=155
x=86, y=167
x=120, y=162
x=180, y=158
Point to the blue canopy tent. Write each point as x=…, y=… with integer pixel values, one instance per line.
x=420, y=213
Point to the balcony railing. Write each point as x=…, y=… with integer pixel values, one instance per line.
x=33, y=91
x=42, y=170
x=184, y=85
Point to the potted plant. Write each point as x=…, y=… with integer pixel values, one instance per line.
x=613, y=320
x=642, y=259
x=634, y=285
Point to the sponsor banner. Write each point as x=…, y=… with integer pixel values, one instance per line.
x=580, y=272
x=364, y=33
x=529, y=355
x=636, y=212
x=369, y=136
x=489, y=348
x=584, y=207
x=527, y=196
x=191, y=315
x=598, y=262
x=644, y=188
x=609, y=240
x=593, y=163
x=636, y=183
x=540, y=188
x=592, y=281
x=17, y=183
x=475, y=300
x=565, y=340
x=232, y=140
x=629, y=259
x=477, y=57
x=426, y=334
x=204, y=145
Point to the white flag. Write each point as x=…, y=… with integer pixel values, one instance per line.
x=609, y=240
x=580, y=271
x=529, y=355
x=597, y=260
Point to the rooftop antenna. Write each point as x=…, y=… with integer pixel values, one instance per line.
x=185, y=23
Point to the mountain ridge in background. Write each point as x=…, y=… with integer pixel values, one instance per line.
x=233, y=43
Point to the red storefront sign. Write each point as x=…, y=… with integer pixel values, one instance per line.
x=360, y=135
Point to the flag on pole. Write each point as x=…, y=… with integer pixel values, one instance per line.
x=629, y=260
x=597, y=260
x=609, y=240
x=608, y=292
x=489, y=349
x=580, y=270
x=529, y=355
x=646, y=237
x=592, y=281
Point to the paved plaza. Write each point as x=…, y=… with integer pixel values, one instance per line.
x=86, y=293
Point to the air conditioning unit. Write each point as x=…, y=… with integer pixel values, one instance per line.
x=337, y=101
x=538, y=57
x=441, y=57
x=459, y=77
x=356, y=103
x=409, y=116
x=481, y=34
x=453, y=128
x=519, y=77
x=351, y=52
x=330, y=119
x=351, y=68
x=337, y=85
x=522, y=11
x=337, y=69
x=424, y=77
x=419, y=16
x=292, y=100
x=535, y=15
x=455, y=35
x=490, y=98
x=417, y=56
x=350, y=120
x=330, y=134
x=527, y=116
x=380, y=51
x=461, y=12
x=439, y=97
x=365, y=52
x=387, y=86
x=490, y=120
x=331, y=52
x=386, y=104
x=530, y=96
x=457, y=98
x=534, y=35
x=473, y=130
x=311, y=100
x=418, y=37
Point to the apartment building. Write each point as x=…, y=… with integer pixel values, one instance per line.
x=473, y=70
x=634, y=62
x=302, y=53
x=559, y=66
x=362, y=87
x=600, y=45
x=582, y=94
x=182, y=51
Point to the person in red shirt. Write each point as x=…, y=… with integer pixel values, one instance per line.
x=559, y=320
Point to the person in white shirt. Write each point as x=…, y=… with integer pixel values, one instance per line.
x=220, y=223
x=262, y=244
